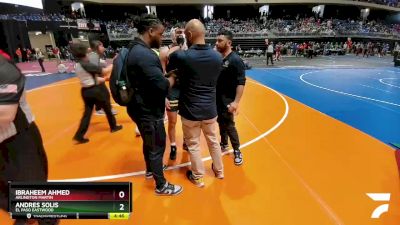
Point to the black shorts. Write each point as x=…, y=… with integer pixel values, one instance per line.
x=173, y=97
x=173, y=105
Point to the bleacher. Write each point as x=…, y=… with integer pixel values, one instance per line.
x=245, y=44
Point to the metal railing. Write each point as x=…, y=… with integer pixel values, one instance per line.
x=121, y=36
x=380, y=3
x=262, y=35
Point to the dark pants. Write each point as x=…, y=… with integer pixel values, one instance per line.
x=227, y=129
x=41, y=65
x=22, y=158
x=397, y=62
x=366, y=53
x=358, y=51
x=310, y=54
x=154, y=138
x=104, y=89
x=94, y=96
x=269, y=56
x=395, y=55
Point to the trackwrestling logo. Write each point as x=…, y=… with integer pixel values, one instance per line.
x=380, y=197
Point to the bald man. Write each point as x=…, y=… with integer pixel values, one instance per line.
x=197, y=70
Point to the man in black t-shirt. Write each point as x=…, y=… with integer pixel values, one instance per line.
x=147, y=105
x=229, y=92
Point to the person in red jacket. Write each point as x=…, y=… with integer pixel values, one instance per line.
x=5, y=55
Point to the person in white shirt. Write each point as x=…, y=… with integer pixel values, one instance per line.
x=40, y=58
x=95, y=58
x=270, y=52
x=91, y=77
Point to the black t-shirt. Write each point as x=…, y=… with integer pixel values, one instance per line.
x=232, y=75
x=146, y=73
x=198, y=70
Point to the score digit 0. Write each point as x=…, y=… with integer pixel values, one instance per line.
x=121, y=194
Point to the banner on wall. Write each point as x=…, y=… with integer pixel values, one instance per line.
x=85, y=25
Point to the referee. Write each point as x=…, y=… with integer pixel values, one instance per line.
x=95, y=58
x=92, y=91
x=22, y=155
x=229, y=92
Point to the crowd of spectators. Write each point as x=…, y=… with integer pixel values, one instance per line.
x=124, y=30
x=300, y=49
x=306, y=26
x=391, y=3
x=120, y=30
x=331, y=27
x=236, y=26
x=34, y=17
x=29, y=54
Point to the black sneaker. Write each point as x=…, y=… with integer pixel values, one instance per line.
x=149, y=175
x=199, y=182
x=169, y=189
x=116, y=128
x=224, y=147
x=172, y=154
x=81, y=140
x=238, y=160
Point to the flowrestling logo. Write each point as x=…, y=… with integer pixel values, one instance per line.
x=380, y=197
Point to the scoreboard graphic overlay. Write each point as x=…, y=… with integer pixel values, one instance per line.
x=70, y=200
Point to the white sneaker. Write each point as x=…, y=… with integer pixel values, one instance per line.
x=238, y=160
x=100, y=112
x=169, y=189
